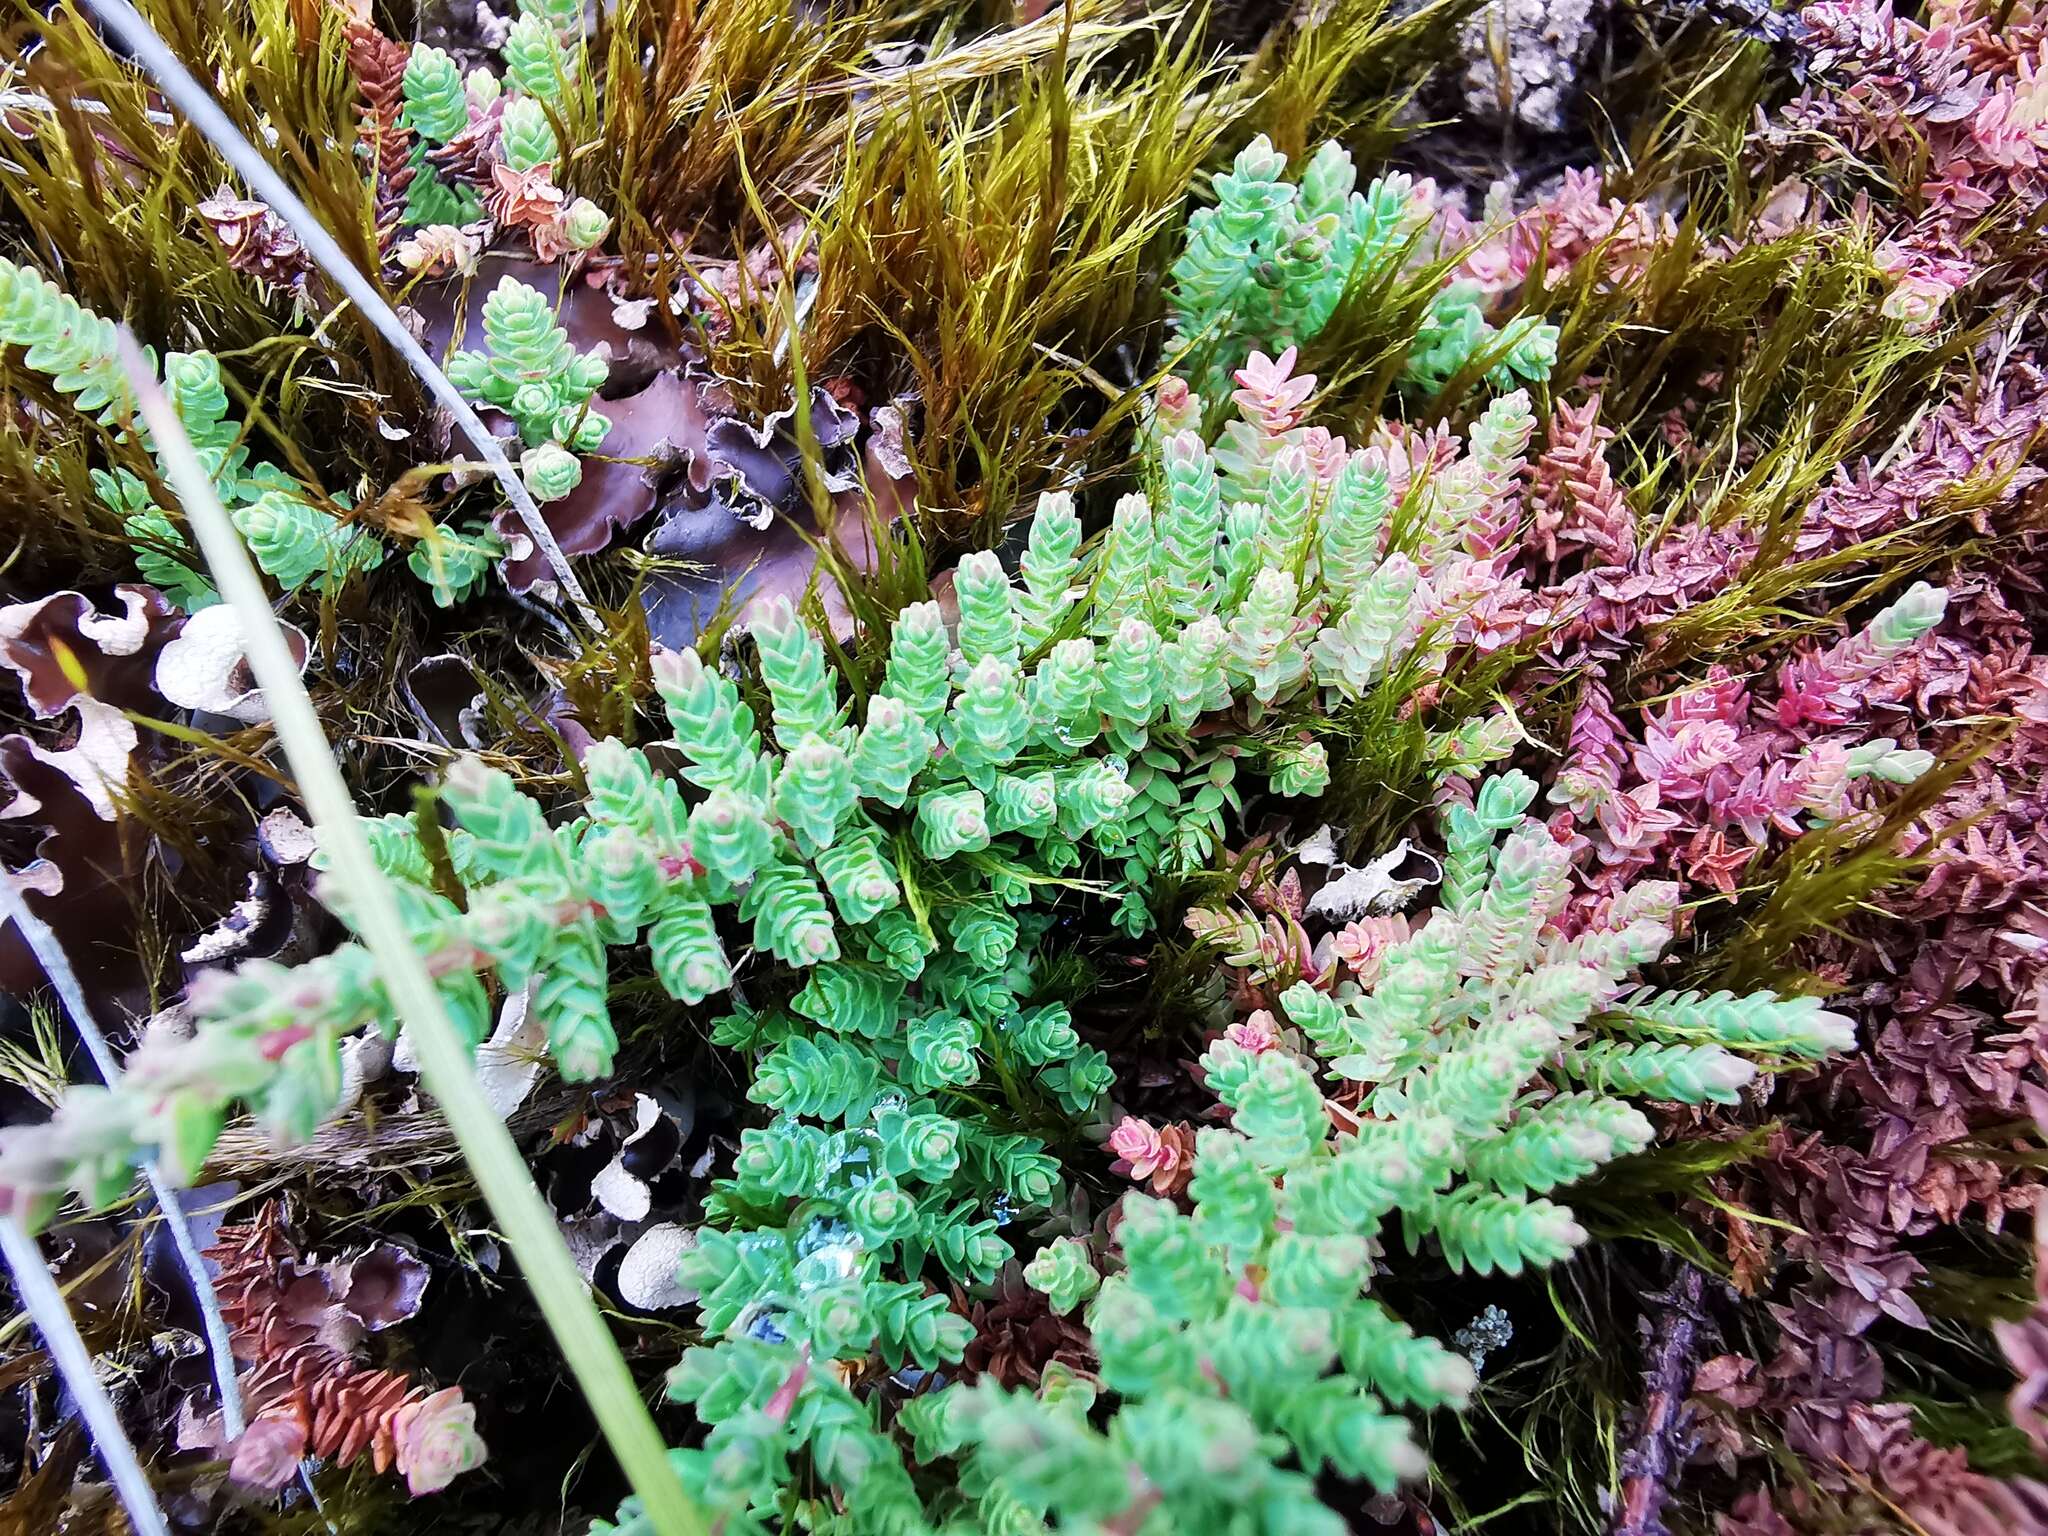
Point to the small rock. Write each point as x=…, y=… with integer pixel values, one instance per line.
x=648, y=1273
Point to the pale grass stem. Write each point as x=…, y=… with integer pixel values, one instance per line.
x=56, y=965
x=501, y=1174
x=45, y=1304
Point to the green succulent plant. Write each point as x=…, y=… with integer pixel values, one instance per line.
x=541, y=114
x=297, y=543
x=1238, y=1356
x=528, y=370
x=436, y=109
x=436, y=101
x=536, y=60
x=1456, y=332
x=564, y=17
x=1268, y=265
x=527, y=139
x=454, y=563
x=1518, y=1045
x=894, y=864
x=830, y=841
x=1055, y=738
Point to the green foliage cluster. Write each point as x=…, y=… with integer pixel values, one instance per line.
x=896, y=859
x=293, y=540
x=540, y=59
x=1235, y=1337
x=1456, y=335
x=901, y=857
x=974, y=786
x=298, y=543
x=544, y=56
x=1489, y=993
x=1130, y=677
x=529, y=371
x=1299, y=588
x=905, y=866
x=1238, y=1357
x=436, y=110
x=1270, y=264
x=270, y=1036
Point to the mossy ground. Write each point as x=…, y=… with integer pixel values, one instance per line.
x=991, y=201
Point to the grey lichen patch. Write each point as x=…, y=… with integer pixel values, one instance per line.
x=1522, y=57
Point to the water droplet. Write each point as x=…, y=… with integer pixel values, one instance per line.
x=828, y=1253
x=821, y=1233
x=849, y=1160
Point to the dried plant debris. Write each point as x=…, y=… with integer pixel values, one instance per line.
x=298, y=1324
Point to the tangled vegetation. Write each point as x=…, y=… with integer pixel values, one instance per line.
x=1254, y=771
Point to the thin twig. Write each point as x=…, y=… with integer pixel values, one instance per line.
x=416, y=1141
x=49, y=953
x=501, y=1173
x=36, y=101
x=45, y=1303
x=204, y=113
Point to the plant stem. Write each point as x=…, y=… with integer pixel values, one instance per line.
x=527, y=1222
x=1651, y=1462
x=45, y=1303
x=56, y=965
x=204, y=113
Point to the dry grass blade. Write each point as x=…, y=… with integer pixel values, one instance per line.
x=775, y=91
x=1007, y=246
x=56, y=965
x=45, y=1303
x=104, y=185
